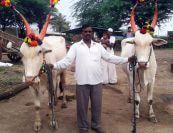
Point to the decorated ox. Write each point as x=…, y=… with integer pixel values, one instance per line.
x=37, y=50
x=142, y=46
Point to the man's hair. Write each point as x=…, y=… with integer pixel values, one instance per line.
x=129, y=27
x=85, y=26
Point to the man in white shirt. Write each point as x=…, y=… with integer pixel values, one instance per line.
x=87, y=55
x=109, y=69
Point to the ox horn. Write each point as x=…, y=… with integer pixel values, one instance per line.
x=44, y=29
x=132, y=19
x=155, y=17
x=27, y=26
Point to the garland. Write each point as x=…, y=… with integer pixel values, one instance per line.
x=147, y=29
x=6, y=3
x=32, y=40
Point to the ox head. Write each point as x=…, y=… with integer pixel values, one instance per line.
x=143, y=39
x=32, y=51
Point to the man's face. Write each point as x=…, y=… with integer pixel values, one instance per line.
x=129, y=29
x=87, y=34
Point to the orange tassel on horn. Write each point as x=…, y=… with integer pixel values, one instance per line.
x=53, y=2
x=155, y=17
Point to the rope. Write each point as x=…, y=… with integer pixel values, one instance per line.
x=132, y=66
x=51, y=96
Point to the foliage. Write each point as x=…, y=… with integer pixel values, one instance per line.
x=59, y=23
x=115, y=13
x=7, y=17
x=31, y=9
x=35, y=11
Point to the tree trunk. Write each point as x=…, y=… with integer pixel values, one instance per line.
x=15, y=91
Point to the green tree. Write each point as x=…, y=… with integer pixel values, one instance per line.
x=35, y=11
x=59, y=23
x=115, y=13
x=7, y=17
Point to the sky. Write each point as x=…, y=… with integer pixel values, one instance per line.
x=65, y=7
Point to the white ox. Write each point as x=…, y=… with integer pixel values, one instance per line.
x=52, y=49
x=142, y=46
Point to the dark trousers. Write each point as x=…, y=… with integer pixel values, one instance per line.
x=83, y=93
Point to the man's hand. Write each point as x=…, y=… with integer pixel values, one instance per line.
x=132, y=59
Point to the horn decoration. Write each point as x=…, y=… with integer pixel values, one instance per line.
x=27, y=26
x=53, y=2
x=44, y=29
x=155, y=17
x=132, y=19
x=132, y=16
x=6, y=3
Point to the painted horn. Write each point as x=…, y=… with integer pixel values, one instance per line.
x=132, y=19
x=27, y=26
x=44, y=29
x=155, y=17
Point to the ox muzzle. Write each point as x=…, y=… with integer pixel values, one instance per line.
x=30, y=80
x=143, y=65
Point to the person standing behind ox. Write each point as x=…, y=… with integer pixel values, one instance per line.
x=129, y=32
x=109, y=69
x=87, y=55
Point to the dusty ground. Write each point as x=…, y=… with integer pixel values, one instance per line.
x=17, y=113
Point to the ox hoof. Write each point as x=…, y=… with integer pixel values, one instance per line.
x=153, y=119
x=129, y=100
x=53, y=124
x=37, y=126
x=137, y=116
x=64, y=105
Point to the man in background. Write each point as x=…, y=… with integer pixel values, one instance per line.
x=129, y=32
x=109, y=69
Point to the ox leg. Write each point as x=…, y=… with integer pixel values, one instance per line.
x=36, y=93
x=152, y=116
x=137, y=97
x=62, y=87
x=137, y=102
x=130, y=98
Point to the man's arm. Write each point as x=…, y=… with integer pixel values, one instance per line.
x=67, y=60
x=113, y=58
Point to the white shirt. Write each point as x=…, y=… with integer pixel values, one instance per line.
x=112, y=39
x=88, y=62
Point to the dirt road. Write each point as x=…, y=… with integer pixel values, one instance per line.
x=17, y=113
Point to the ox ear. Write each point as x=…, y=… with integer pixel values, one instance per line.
x=159, y=42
